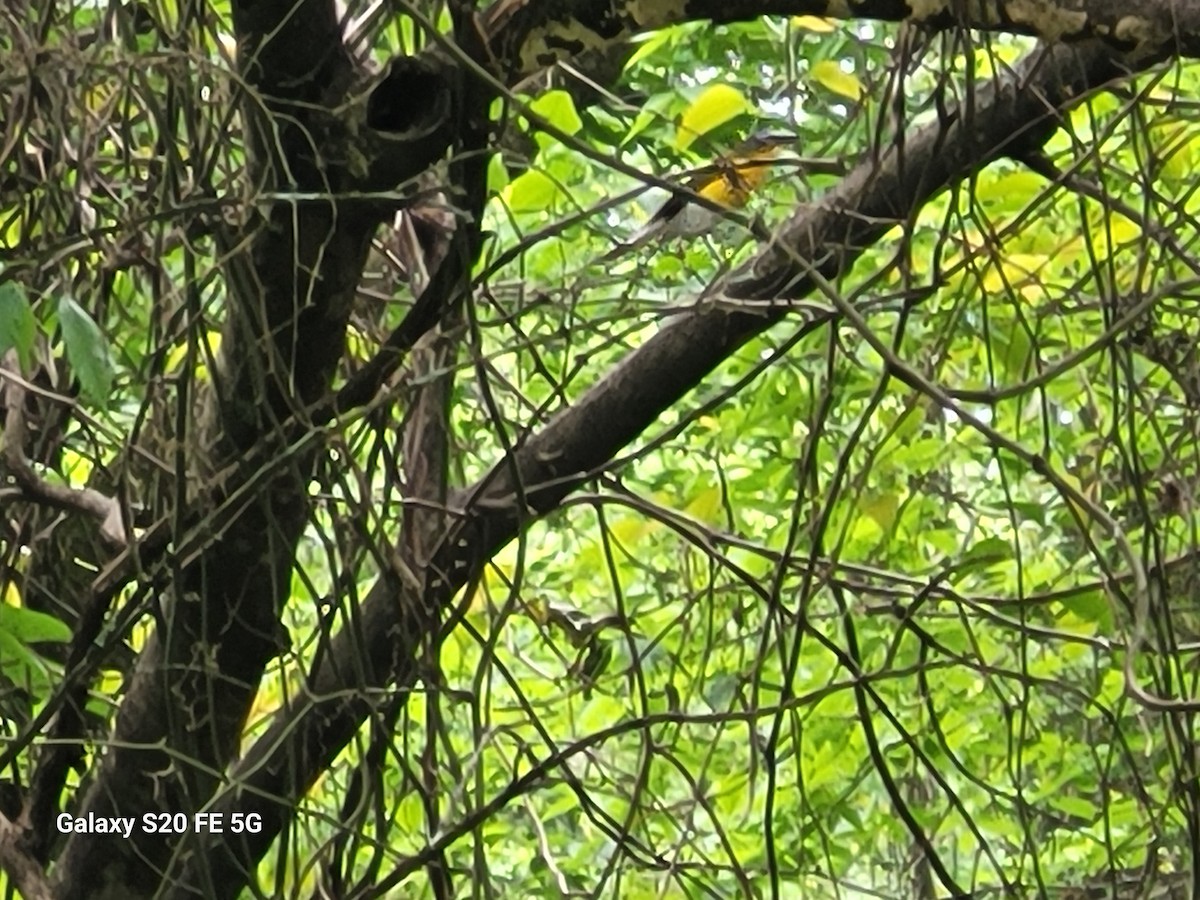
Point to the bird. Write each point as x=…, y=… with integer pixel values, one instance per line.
x=727, y=183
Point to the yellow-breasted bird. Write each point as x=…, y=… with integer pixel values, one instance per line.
x=729, y=182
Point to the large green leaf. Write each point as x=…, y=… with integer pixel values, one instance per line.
x=87, y=350
x=18, y=326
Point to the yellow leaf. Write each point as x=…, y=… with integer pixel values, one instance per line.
x=1013, y=189
x=110, y=683
x=357, y=344
x=814, y=24
x=828, y=73
x=881, y=508
x=179, y=353
x=628, y=531
x=75, y=468
x=1017, y=271
x=706, y=505
x=176, y=357
x=1176, y=147
x=1111, y=232
x=715, y=106
x=97, y=97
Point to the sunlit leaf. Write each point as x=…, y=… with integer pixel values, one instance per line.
x=1011, y=190
x=881, y=507
x=651, y=44
x=815, y=24
x=1111, y=232
x=1176, y=146
x=30, y=626
x=532, y=191
x=706, y=505
x=715, y=106
x=829, y=74
x=180, y=351
x=558, y=108
x=1014, y=270
x=1079, y=807
x=497, y=174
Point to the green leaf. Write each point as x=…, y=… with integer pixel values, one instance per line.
x=87, y=350
x=29, y=626
x=1015, y=352
x=1010, y=190
x=14, y=655
x=532, y=191
x=1091, y=606
x=497, y=175
x=1078, y=807
x=18, y=327
x=558, y=108
x=1176, y=145
x=920, y=452
x=565, y=802
x=664, y=38
x=21, y=665
x=986, y=553
x=653, y=111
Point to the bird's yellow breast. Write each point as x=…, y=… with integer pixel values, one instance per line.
x=736, y=179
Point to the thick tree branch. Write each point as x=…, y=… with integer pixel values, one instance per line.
x=21, y=864
x=290, y=294
x=329, y=162
x=1011, y=113
x=528, y=35
x=103, y=509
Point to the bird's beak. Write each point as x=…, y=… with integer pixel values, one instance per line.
x=778, y=140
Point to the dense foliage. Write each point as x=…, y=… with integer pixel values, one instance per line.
x=899, y=601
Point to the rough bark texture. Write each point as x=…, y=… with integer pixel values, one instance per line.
x=319, y=134
x=1007, y=118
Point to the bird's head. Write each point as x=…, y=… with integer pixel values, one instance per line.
x=766, y=143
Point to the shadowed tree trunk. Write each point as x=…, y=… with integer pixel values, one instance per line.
x=332, y=151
